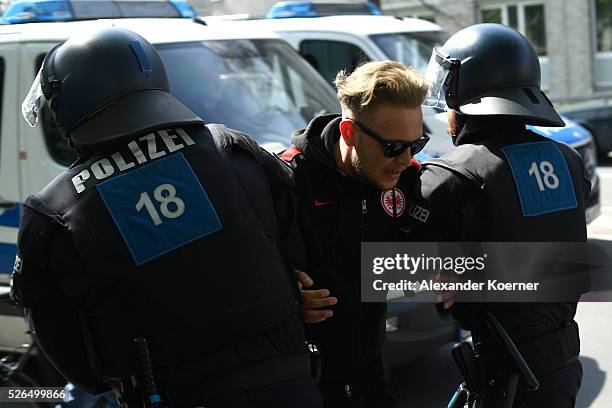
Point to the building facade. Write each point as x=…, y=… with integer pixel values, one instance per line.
x=572, y=37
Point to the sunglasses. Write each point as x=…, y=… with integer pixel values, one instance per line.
x=393, y=148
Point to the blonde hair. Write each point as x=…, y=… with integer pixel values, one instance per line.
x=379, y=82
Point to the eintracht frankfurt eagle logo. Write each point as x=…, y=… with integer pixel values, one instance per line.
x=386, y=200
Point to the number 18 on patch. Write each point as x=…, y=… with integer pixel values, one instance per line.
x=159, y=207
x=542, y=178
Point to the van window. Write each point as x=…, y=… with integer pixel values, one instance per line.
x=1, y=94
x=260, y=87
x=56, y=145
x=330, y=57
x=411, y=49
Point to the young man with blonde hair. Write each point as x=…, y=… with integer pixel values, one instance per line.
x=352, y=173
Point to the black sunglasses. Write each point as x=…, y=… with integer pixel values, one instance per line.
x=393, y=148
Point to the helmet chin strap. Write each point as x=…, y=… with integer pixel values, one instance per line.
x=459, y=125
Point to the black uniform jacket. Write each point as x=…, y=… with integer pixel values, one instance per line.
x=199, y=305
x=470, y=196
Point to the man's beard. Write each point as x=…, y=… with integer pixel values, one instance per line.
x=360, y=169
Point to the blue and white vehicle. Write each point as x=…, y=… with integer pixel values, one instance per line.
x=335, y=43
x=289, y=9
x=251, y=80
x=29, y=11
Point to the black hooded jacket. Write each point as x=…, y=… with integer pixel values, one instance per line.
x=336, y=213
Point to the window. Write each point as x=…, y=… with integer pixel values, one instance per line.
x=1, y=91
x=513, y=17
x=603, y=11
x=526, y=18
x=492, y=16
x=412, y=49
x=535, y=28
x=331, y=57
x=56, y=145
x=260, y=87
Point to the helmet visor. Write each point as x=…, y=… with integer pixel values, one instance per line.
x=33, y=103
x=439, y=75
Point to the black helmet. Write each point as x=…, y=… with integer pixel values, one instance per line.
x=490, y=69
x=107, y=85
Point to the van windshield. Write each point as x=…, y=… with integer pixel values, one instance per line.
x=260, y=87
x=412, y=49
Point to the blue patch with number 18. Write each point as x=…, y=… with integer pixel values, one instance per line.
x=159, y=207
x=542, y=178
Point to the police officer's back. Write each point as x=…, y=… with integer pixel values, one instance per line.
x=164, y=229
x=503, y=183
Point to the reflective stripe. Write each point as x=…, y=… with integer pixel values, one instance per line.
x=7, y=258
x=10, y=217
x=9, y=229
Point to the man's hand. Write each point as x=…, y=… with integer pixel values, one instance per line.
x=312, y=300
x=446, y=298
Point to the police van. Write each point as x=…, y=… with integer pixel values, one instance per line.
x=248, y=79
x=334, y=43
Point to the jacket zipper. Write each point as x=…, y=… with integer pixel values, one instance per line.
x=364, y=211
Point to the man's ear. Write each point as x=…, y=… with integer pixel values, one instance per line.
x=348, y=132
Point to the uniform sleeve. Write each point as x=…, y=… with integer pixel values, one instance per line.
x=47, y=282
x=273, y=203
x=30, y=274
x=434, y=207
x=586, y=185
x=572, y=156
x=68, y=269
x=286, y=202
x=290, y=240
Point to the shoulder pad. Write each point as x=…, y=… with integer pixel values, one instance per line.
x=37, y=203
x=461, y=161
x=228, y=139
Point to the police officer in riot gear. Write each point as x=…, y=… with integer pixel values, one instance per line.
x=155, y=233
x=487, y=77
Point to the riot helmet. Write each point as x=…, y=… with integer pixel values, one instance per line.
x=105, y=85
x=490, y=69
